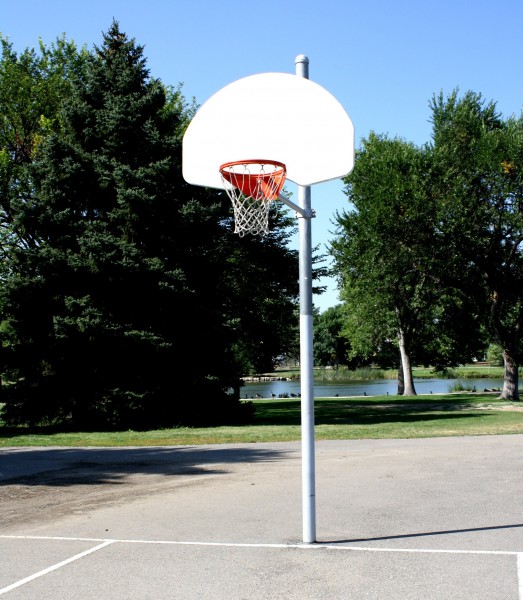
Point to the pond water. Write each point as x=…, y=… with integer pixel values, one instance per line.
x=377, y=387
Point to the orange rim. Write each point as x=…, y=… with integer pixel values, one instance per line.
x=261, y=185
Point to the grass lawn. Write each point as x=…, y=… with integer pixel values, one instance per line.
x=473, y=371
x=376, y=417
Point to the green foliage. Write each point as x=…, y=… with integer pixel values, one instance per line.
x=260, y=288
x=392, y=263
x=126, y=293
x=33, y=86
x=495, y=355
x=343, y=374
x=331, y=348
x=478, y=158
x=430, y=253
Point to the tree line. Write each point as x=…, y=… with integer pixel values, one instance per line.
x=126, y=300
x=429, y=254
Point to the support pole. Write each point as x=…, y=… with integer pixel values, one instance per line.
x=306, y=351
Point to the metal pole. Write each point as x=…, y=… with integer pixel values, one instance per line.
x=306, y=353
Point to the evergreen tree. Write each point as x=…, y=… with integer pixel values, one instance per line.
x=95, y=312
x=126, y=310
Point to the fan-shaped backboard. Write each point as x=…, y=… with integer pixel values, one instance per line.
x=270, y=116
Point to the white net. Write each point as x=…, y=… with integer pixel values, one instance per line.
x=252, y=186
x=250, y=215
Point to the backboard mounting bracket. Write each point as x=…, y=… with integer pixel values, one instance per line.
x=305, y=214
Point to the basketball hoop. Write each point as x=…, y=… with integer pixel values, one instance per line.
x=309, y=132
x=252, y=185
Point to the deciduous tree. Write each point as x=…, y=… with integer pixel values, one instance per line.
x=478, y=159
x=393, y=267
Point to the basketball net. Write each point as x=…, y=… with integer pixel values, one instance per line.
x=252, y=185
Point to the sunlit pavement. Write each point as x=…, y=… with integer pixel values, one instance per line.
x=396, y=519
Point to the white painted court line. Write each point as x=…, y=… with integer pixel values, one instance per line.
x=301, y=546
x=53, y=567
x=153, y=542
x=520, y=575
x=419, y=550
x=329, y=546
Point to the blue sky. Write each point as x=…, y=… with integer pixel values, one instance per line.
x=382, y=59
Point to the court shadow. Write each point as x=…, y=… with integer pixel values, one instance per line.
x=93, y=466
x=423, y=534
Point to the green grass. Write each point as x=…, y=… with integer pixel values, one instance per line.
x=364, y=374
x=463, y=372
x=420, y=416
x=377, y=417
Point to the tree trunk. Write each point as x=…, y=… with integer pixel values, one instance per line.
x=510, y=378
x=401, y=381
x=408, y=380
x=236, y=390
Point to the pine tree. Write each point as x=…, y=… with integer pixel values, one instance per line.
x=116, y=269
x=136, y=306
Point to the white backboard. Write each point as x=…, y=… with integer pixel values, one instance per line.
x=270, y=116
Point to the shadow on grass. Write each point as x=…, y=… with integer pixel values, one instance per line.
x=367, y=412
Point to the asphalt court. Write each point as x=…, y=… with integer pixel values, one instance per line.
x=396, y=519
